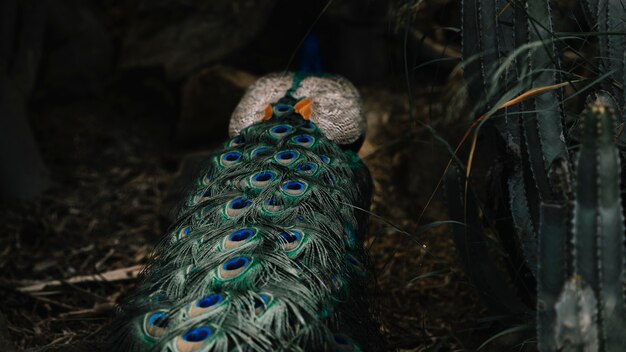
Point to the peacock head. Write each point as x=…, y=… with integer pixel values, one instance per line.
x=330, y=102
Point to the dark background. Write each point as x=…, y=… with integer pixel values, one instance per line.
x=107, y=106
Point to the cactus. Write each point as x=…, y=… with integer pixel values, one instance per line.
x=608, y=17
x=581, y=270
x=523, y=58
x=598, y=227
x=566, y=209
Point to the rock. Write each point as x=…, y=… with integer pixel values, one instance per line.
x=184, y=35
x=208, y=100
x=22, y=171
x=79, y=55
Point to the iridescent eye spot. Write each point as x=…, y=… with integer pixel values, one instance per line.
x=343, y=343
x=294, y=188
x=236, y=263
x=197, y=335
x=205, y=211
x=286, y=157
x=306, y=168
x=282, y=109
x=210, y=300
x=236, y=141
x=308, y=126
x=237, y=206
x=290, y=237
x=206, y=180
x=193, y=340
x=202, y=195
x=261, y=303
x=234, y=267
x=237, y=238
x=261, y=151
x=290, y=240
x=206, y=304
x=240, y=235
x=280, y=131
x=230, y=158
x=184, y=232
x=303, y=140
x=158, y=319
x=262, y=178
x=274, y=204
x=324, y=159
x=155, y=323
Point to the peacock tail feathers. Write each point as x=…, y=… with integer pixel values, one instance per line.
x=266, y=252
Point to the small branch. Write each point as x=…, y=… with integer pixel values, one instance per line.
x=122, y=274
x=435, y=49
x=97, y=310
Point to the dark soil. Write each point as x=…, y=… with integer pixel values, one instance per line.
x=112, y=164
x=112, y=159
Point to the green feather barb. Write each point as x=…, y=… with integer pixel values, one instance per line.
x=265, y=255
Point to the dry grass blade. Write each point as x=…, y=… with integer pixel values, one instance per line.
x=526, y=95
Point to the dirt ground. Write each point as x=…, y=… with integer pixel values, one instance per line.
x=112, y=161
x=113, y=158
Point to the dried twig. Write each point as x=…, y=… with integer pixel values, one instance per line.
x=122, y=274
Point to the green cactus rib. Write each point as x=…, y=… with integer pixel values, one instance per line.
x=489, y=32
x=471, y=49
x=522, y=217
x=543, y=123
x=519, y=204
x=611, y=25
x=598, y=222
x=608, y=18
x=552, y=271
x=471, y=244
x=611, y=235
x=485, y=42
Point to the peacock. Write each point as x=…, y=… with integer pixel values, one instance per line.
x=267, y=253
